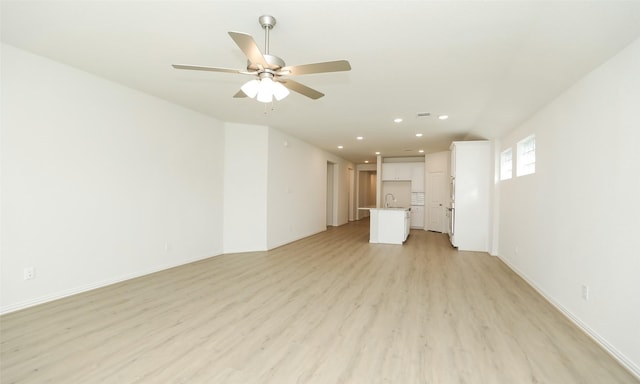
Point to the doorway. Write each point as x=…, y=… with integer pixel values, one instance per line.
x=331, y=194
x=352, y=196
x=367, y=192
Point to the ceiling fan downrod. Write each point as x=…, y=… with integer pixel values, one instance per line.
x=267, y=22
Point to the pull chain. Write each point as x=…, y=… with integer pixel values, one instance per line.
x=273, y=107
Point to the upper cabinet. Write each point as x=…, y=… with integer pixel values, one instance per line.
x=396, y=171
x=413, y=172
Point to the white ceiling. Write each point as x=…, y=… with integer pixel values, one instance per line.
x=488, y=65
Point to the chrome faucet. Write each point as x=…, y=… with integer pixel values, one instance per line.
x=386, y=199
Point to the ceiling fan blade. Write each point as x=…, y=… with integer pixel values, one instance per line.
x=203, y=68
x=329, y=66
x=240, y=94
x=301, y=89
x=249, y=47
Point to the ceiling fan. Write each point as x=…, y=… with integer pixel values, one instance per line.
x=270, y=71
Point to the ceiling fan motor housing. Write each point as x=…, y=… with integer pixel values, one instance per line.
x=274, y=62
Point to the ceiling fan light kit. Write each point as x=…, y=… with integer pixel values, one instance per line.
x=269, y=71
x=265, y=89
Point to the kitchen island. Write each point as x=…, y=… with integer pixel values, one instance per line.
x=389, y=225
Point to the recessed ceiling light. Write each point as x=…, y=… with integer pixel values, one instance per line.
x=397, y=120
x=360, y=138
x=418, y=134
x=340, y=147
x=443, y=117
x=377, y=153
x=366, y=161
x=421, y=151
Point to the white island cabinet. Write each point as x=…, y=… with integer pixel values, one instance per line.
x=389, y=225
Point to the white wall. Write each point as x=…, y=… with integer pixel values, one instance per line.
x=297, y=175
x=438, y=162
x=245, y=188
x=575, y=221
x=99, y=182
x=401, y=191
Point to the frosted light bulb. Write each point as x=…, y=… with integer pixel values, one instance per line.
x=265, y=91
x=279, y=91
x=250, y=88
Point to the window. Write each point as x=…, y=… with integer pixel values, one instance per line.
x=526, y=156
x=506, y=164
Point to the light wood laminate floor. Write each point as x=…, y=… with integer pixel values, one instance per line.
x=330, y=308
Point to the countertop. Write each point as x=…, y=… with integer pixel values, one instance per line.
x=392, y=209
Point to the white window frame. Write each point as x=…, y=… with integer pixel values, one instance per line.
x=526, y=161
x=506, y=164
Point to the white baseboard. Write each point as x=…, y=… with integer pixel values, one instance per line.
x=614, y=352
x=94, y=285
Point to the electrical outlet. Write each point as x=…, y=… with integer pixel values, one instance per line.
x=585, y=292
x=515, y=251
x=29, y=273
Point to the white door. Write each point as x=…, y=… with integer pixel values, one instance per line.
x=436, y=201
